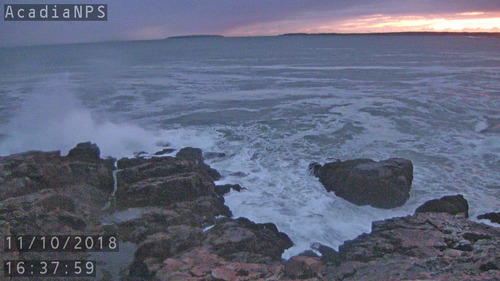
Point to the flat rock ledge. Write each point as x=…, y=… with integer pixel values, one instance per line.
x=183, y=231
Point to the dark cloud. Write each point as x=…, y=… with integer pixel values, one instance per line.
x=153, y=19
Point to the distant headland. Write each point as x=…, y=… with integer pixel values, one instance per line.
x=414, y=33
x=195, y=36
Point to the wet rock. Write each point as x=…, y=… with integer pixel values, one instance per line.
x=85, y=151
x=454, y=205
x=224, y=189
x=384, y=184
x=239, y=174
x=302, y=267
x=314, y=169
x=244, y=241
x=190, y=153
x=213, y=155
x=328, y=254
x=493, y=217
x=164, y=151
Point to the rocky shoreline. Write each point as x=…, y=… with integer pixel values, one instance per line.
x=172, y=216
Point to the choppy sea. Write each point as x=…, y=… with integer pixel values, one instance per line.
x=273, y=105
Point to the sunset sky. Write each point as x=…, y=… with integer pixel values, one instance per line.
x=149, y=19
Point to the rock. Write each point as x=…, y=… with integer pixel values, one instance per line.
x=214, y=155
x=302, y=267
x=309, y=253
x=163, y=190
x=57, y=201
x=224, y=189
x=190, y=153
x=493, y=217
x=454, y=205
x=32, y=171
x=164, y=151
x=385, y=184
x=328, y=255
x=159, y=246
x=436, y=246
x=201, y=265
x=141, y=154
x=229, y=238
x=238, y=174
x=85, y=151
x=314, y=169
x=200, y=213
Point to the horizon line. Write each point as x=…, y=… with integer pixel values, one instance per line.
x=485, y=34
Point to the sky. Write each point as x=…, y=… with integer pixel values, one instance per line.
x=157, y=19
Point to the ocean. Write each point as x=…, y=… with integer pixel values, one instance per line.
x=273, y=105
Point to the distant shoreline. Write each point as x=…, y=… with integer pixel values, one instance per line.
x=200, y=36
x=195, y=36
x=411, y=33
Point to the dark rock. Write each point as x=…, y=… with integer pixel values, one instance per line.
x=454, y=205
x=328, y=254
x=163, y=190
x=140, y=154
x=164, y=151
x=130, y=162
x=229, y=237
x=314, y=169
x=57, y=201
x=493, y=217
x=384, y=184
x=302, y=267
x=224, y=189
x=190, y=153
x=214, y=155
x=239, y=174
x=85, y=151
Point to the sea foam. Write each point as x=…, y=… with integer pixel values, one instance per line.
x=52, y=118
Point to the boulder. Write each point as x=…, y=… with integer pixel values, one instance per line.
x=190, y=153
x=85, y=151
x=454, y=205
x=315, y=169
x=213, y=155
x=224, y=189
x=164, y=151
x=493, y=217
x=384, y=184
